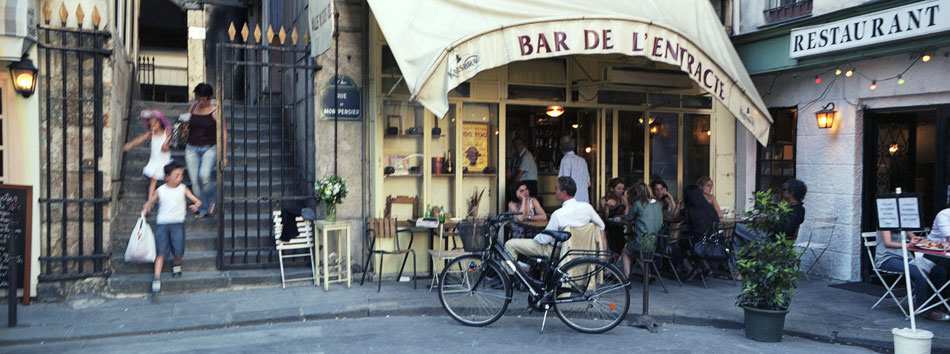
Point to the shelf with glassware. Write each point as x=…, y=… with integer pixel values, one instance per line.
x=403, y=149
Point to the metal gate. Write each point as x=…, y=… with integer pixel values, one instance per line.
x=265, y=92
x=71, y=205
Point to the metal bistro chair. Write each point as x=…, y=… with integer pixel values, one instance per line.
x=305, y=240
x=443, y=253
x=385, y=228
x=670, y=241
x=819, y=226
x=870, y=241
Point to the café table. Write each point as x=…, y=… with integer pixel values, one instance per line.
x=940, y=300
x=447, y=225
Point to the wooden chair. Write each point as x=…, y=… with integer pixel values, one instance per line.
x=401, y=199
x=724, y=231
x=305, y=240
x=813, y=244
x=385, y=228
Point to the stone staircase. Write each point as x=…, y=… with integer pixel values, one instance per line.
x=257, y=147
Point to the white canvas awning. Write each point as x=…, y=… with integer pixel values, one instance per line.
x=439, y=44
x=17, y=28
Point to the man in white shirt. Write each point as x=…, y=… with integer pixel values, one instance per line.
x=524, y=167
x=575, y=167
x=572, y=213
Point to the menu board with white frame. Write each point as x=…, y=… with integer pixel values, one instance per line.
x=898, y=211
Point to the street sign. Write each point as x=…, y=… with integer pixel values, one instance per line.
x=348, y=100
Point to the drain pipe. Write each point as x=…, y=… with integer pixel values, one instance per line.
x=364, y=171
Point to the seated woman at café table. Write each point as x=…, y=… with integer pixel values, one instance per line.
x=793, y=192
x=529, y=207
x=700, y=217
x=888, y=257
x=662, y=194
x=706, y=185
x=645, y=216
x=612, y=205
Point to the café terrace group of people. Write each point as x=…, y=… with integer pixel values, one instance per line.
x=651, y=209
x=647, y=209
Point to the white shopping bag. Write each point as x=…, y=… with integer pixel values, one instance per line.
x=141, y=247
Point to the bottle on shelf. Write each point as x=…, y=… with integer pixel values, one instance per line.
x=428, y=213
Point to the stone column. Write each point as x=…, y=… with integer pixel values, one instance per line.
x=196, y=49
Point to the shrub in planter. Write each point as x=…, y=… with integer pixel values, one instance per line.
x=769, y=269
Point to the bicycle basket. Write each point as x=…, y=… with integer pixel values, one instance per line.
x=474, y=235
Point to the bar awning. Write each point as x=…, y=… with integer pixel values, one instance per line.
x=17, y=28
x=439, y=44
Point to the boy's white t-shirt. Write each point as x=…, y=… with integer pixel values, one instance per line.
x=171, y=204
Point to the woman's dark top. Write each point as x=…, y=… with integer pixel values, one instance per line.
x=617, y=211
x=202, y=129
x=795, y=219
x=700, y=214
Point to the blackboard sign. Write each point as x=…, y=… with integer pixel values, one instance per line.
x=15, y=221
x=898, y=211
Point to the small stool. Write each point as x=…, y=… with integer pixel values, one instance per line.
x=341, y=271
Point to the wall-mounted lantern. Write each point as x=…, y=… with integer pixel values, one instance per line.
x=23, y=74
x=826, y=116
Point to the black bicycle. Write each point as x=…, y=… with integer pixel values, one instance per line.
x=587, y=292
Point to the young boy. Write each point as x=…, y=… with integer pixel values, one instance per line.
x=170, y=228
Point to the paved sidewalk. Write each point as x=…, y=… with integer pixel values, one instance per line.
x=818, y=311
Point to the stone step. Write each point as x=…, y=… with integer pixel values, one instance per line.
x=190, y=261
x=204, y=281
x=194, y=241
x=139, y=158
x=209, y=224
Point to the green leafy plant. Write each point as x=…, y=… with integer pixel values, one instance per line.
x=647, y=243
x=769, y=266
x=331, y=190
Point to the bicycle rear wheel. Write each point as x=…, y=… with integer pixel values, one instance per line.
x=593, y=296
x=474, y=292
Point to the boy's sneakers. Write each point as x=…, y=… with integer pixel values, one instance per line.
x=156, y=286
x=176, y=271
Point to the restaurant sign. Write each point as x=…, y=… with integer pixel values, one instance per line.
x=914, y=20
x=607, y=36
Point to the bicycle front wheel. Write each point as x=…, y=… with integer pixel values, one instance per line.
x=593, y=296
x=474, y=292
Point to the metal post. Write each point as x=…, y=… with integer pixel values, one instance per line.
x=336, y=74
x=11, y=281
x=645, y=320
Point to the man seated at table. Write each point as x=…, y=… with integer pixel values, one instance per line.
x=571, y=214
x=888, y=257
x=940, y=272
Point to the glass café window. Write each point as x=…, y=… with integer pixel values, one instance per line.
x=776, y=162
x=696, y=151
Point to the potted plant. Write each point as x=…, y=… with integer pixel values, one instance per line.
x=647, y=246
x=769, y=269
x=331, y=190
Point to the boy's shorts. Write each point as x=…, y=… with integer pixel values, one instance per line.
x=170, y=239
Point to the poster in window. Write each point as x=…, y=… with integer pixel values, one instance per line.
x=475, y=154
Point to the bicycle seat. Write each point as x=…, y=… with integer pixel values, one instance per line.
x=559, y=236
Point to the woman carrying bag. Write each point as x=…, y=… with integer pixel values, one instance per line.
x=201, y=152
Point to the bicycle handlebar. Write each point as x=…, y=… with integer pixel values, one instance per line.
x=502, y=217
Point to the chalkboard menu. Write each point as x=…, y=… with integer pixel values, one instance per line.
x=15, y=213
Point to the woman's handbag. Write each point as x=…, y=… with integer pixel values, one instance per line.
x=711, y=247
x=180, y=132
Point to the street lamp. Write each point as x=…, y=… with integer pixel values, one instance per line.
x=826, y=116
x=23, y=74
